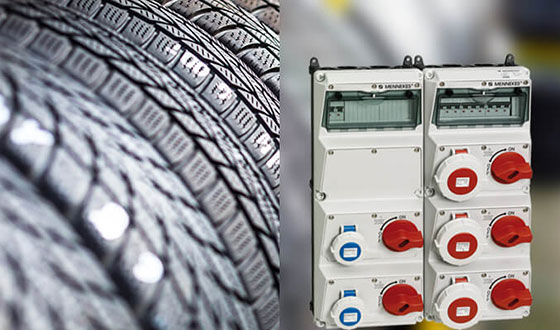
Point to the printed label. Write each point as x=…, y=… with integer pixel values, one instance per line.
x=350, y=317
x=350, y=253
x=462, y=247
x=463, y=311
x=462, y=182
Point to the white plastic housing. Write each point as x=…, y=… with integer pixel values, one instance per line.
x=347, y=312
x=370, y=291
x=447, y=242
x=448, y=305
x=484, y=275
x=484, y=142
x=365, y=178
x=448, y=149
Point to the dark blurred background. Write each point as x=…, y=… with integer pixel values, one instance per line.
x=381, y=32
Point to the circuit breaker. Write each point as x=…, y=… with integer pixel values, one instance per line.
x=367, y=185
x=477, y=203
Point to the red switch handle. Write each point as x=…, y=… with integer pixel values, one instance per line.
x=510, y=231
x=402, y=235
x=401, y=299
x=511, y=294
x=510, y=167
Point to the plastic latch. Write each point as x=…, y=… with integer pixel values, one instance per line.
x=348, y=293
x=348, y=228
x=460, y=151
x=461, y=279
x=460, y=215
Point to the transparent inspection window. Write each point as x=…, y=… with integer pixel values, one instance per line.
x=505, y=106
x=389, y=109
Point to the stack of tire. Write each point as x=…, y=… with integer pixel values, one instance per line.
x=139, y=164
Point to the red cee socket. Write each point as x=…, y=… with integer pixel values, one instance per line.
x=510, y=167
x=462, y=181
x=510, y=231
x=402, y=235
x=464, y=305
x=510, y=294
x=401, y=299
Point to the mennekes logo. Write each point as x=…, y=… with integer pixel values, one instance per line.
x=507, y=83
x=397, y=86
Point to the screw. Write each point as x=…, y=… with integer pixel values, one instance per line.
x=483, y=275
x=442, y=148
x=430, y=191
x=525, y=146
x=483, y=211
x=373, y=151
x=525, y=273
x=526, y=82
x=330, y=152
x=416, y=214
x=430, y=74
x=526, y=313
x=320, y=76
x=483, y=147
x=320, y=195
x=417, y=278
x=331, y=86
x=484, y=83
x=331, y=282
x=417, y=85
x=441, y=212
x=374, y=86
x=331, y=217
x=442, y=84
x=441, y=277
x=374, y=280
x=525, y=209
x=416, y=149
x=374, y=215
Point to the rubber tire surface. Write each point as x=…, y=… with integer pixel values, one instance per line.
x=202, y=62
x=252, y=41
x=49, y=279
x=215, y=234
x=267, y=11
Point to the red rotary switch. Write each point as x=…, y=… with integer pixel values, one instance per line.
x=402, y=299
x=402, y=235
x=510, y=167
x=510, y=294
x=510, y=231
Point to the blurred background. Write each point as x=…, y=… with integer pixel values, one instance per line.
x=382, y=32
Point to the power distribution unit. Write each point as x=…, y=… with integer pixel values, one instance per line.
x=367, y=196
x=477, y=204
x=420, y=183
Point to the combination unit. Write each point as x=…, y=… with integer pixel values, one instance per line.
x=367, y=196
x=421, y=194
x=477, y=205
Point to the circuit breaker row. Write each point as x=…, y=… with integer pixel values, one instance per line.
x=421, y=194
